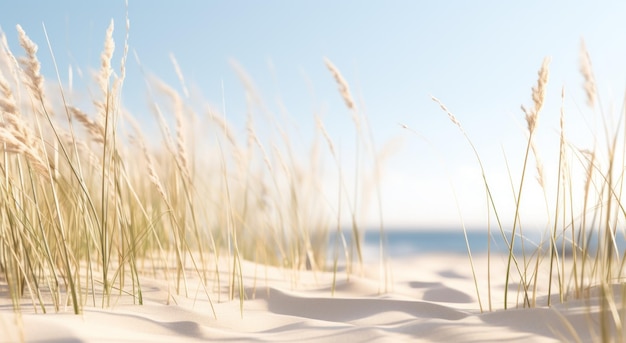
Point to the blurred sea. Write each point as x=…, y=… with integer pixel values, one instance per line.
x=406, y=243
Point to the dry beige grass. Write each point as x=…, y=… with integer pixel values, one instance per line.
x=181, y=131
x=31, y=65
x=586, y=71
x=103, y=78
x=538, y=96
x=17, y=136
x=344, y=89
x=95, y=129
x=112, y=202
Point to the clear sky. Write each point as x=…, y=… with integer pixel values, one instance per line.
x=479, y=57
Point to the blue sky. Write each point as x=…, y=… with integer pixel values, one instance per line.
x=479, y=57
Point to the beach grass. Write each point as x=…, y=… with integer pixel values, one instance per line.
x=583, y=227
x=90, y=206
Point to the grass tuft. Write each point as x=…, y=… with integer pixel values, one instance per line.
x=90, y=208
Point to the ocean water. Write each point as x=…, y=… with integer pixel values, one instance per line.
x=401, y=243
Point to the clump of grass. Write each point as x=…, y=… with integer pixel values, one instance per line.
x=577, y=266
x=91, y=207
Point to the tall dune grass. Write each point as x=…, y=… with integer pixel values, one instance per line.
x=576, y=267
x=90, y=206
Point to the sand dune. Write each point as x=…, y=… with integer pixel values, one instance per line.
x=430, y=298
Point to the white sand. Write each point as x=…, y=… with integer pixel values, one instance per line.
x=431, y=298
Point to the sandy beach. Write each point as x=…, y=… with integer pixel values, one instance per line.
x=147, y=200
x=429, y=298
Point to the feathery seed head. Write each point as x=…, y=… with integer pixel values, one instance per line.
x=31, y=65
x=344, y=90
x=96, y=129
x=587, y=72
x=7, y=101
x=539, y=92
x=538, y=95
x=105, y=59
x=445, y=109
